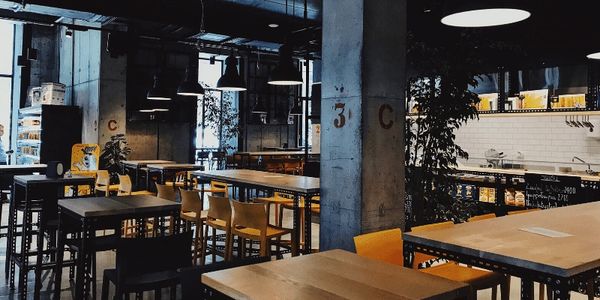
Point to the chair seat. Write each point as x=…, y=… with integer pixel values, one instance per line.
x=272, y=231
x=139, y=193
x=145, y=282
x=193, y=217
x=273, y=200
x=111, y=188
x=177, y=183
x=218, y=224
x=477, y=278
x=212, y=190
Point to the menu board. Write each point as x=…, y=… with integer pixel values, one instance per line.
x=547, y=191
x=537, y=99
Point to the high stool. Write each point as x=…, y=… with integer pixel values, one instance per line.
x=218, y=217
x=192, y=212
x=103, y=183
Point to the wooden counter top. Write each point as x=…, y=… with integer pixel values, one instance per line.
x=521, y=172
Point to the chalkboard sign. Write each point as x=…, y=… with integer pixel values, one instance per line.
x=547, y=191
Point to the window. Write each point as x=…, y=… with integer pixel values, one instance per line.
x=306, y=108
x=6, y=74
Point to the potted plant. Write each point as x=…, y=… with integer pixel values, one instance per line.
x=114, y=152
x=221, y=117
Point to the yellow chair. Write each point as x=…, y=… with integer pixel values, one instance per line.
x=166, y=192
x=385, y=245
x=218, y=217
x=481, y=217
x=192, y=211
x=250, y=221
x=216, y=189
x=276, y=200
x=125, y=187
x=103, y=183
x=181, y=180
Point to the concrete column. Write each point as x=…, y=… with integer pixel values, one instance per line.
x=362, y=142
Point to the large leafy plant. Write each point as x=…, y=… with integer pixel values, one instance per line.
x=114, y=152
x=221, y=117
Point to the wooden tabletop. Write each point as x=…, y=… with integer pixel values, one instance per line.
x=114, y=206
x=182, y=167
x=276, y=153
x=503, y=239
x=74, y=179
x=143, y=163
x=334, y=274
x=292, y=183
x=21, y=168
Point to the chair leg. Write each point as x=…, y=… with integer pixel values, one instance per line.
x=214, y=245
x=228, y=246
x=105, y=283
x=196, y=245
x=204, y=246
x=494, y=293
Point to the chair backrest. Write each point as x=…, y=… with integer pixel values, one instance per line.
x=125, y=186
x=102, y=178
x=522, y=211
x=422, y=257
x=250, y=215
x=193, y=289
x=481, y=217
x=137, y=256
x=385, y=245
x=190, y=201
x=219, y=187
x=219, y=208
x=166, y=192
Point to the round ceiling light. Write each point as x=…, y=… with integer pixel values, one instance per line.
x=594, y=55
x=485, y=17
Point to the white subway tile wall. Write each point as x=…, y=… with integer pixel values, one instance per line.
x=545, y=138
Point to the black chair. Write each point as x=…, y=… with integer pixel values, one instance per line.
x=193, y=289
x=146, y=264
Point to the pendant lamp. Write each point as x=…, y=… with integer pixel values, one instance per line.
x=231, y=80
x=483, y=13
x=285, y=73
x=594, y=55
x=296, y=109
x=259, y=108
x=190, y=87
x=158, y=91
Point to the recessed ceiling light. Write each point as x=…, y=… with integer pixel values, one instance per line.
x=273, y=25
x=485, y=17
x=427, y=10
x=594, y=55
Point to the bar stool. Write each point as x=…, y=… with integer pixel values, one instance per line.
x=315, y=209
x=103, y=183
x=181, y=180
x=217, y=218
x=250, y=221
x=125, y=189
x=192, y=212
x=276, y=200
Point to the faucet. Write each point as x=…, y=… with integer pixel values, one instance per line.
x=589, y=169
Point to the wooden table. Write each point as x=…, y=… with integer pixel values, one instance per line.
x=40, y=193
x=299, y=186
x=93, y=213
x=138, y=165
x=501, y=244
x=334, y=274
x=171, y=169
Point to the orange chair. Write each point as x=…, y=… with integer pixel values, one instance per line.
x=481, y=217
x=387, y=246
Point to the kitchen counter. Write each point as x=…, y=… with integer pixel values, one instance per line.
x=521, y=172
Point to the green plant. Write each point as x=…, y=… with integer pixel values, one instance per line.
x=114, y=152
x=444, y=103
x=221, y=117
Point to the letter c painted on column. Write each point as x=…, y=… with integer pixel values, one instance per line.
x=112, y=125
x=382, y=109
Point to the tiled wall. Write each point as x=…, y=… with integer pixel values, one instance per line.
x=545, y=138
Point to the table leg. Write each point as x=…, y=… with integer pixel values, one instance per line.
x=408, y=252
x=60, y=245
x=25, y=246
x=296, y=226
x=307, y=225
x=82, y=262
x=11, y=236
x=526, y=289
x=561, y=290
x=39, y=258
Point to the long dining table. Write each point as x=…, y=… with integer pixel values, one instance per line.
x=299, y=186
x=334, y=274
x=559, y=247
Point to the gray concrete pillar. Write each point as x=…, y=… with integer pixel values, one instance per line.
x=362, y=142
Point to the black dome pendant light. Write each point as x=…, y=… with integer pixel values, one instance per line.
x=158, y=91
x=189, y=86
x=285, y=73
x=231, y=80
x=483, y=13
x=296, y=109
x=259, y=108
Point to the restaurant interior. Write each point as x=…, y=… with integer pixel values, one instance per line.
x=299, y=149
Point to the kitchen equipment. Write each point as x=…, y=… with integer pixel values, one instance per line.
x=494, y=158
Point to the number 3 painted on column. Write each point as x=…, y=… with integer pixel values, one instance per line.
x=339, y=123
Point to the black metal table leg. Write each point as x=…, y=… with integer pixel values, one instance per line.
x=560, y=290
x=39, y=258
x=307, y=225
x=296, y=225
x=11, y=237
x=82, y=262
x=25, y=246
x=60, y=245
x=526, y=289
x=408, y=252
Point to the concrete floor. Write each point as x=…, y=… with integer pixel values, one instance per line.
x=106, y=260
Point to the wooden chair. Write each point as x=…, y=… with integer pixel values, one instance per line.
x=218, y=217
x=125, y=187
x=276, y=200
x=476, y=278
x=481, y=217
x=103, y=183
x=315, y=209
x=166, y=192
x=250, y=221
x=192, y=211
x=181, y=180
x=385, y=245
x=216, y=189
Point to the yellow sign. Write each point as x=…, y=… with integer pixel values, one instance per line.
x=85, y=157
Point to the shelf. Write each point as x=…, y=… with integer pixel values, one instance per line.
x=29, y=156
x=29, y=141
x=32, y=110
x=29, y=128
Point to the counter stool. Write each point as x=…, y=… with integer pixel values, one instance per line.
x=276, y=200
x=218, y=217
x=192, y=212
x=315, y=209
x=125, y=189
x=103, y=183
